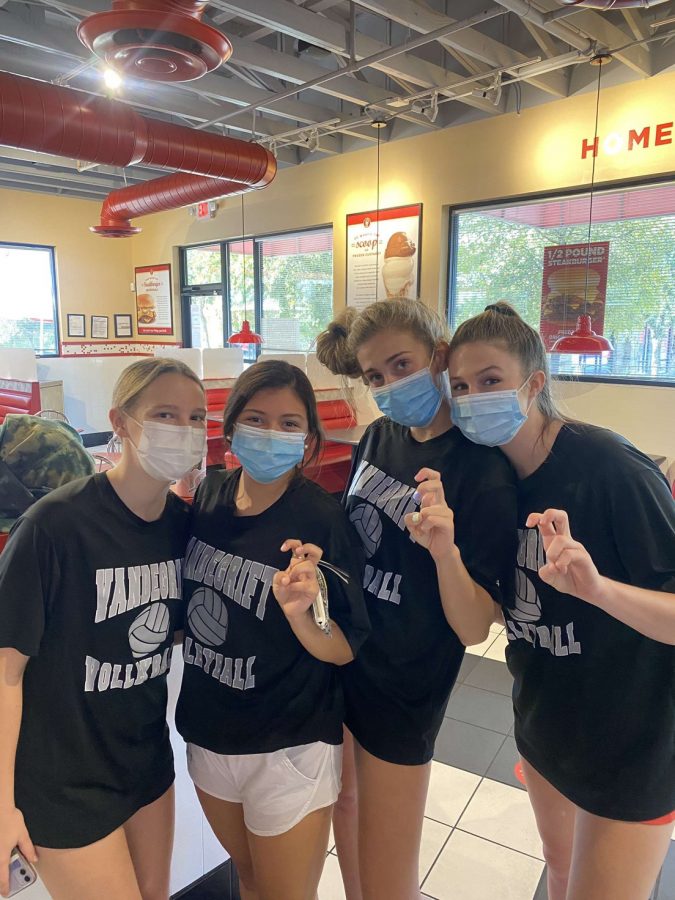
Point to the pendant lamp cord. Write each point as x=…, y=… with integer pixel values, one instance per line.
x=596, y=148
x=377, y=235
x=243, y=250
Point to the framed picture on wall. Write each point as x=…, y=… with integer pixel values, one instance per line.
x=123, y=328
x=383, y=254
x=77, y=326
x=99, y=327
x=154, y=314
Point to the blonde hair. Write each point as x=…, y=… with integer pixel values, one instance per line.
x=141, y=374
x=337, y=346
x=499, y=323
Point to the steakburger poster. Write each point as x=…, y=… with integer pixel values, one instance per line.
x=564, y=292
x=383, y=254
x=153, y=300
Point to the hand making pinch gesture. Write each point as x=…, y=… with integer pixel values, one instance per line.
x=296, y=587
x=569, y=567
x=433, y=527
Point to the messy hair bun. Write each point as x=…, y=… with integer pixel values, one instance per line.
x=336, y=347
x=332, y=345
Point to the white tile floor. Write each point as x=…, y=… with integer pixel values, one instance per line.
x=478, y=835
x=479, y=840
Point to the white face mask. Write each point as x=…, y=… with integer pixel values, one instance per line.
x=169, y=452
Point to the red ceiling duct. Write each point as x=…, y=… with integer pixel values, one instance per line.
x=47, y=118
x=159, y=40
x=613, y=4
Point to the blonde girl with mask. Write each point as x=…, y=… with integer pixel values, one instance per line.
x=436, y=517
x=594, y=692
x=90, y=594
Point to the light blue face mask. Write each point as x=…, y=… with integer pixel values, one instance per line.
x=413, y=400
x=492, y=419
x=266, y=455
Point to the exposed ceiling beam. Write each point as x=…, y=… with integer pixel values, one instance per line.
x=285, y=16
x=17, y=31
x=636, y=24
x=543, y=39
x=44, y=159
x=317, y=6
x=300, y=71
x=601, y=29
x=587, y=27
x=86, y=179
x=281, y=65
x=15, y=181
x=423, y=19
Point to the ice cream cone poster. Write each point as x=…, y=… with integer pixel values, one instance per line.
x=153, y=300
x=574, y=284
x=383, y=254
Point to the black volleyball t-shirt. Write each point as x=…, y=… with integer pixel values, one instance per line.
x=92, y=594
x=594, y=699
x=398, y=687
x=249, y=686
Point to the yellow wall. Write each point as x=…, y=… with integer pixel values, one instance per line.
x=508, y=156
x=93, y=274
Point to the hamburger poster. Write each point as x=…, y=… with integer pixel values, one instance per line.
x=153, y=300
x=383, y=254
x=569, y=290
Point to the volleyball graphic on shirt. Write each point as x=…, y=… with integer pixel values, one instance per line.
x=207, y=617
x=149, y=630
x=528, y=604
x=366, y=520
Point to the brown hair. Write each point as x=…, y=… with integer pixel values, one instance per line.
x=275, y=374
x=141, y=374
x=500, y=324
x=336, y=347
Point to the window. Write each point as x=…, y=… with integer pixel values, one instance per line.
x=497, y=253
x=283, y=285
x=28, y=317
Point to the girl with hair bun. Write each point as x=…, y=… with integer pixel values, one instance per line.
x=436, y=517
x=594, y=690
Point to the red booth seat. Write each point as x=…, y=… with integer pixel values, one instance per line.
x=331, y=469
x=21, y=397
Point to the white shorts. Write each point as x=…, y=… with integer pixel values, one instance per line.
x=278, y=789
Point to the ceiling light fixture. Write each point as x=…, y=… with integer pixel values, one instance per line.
x=583, y=339
x=112, y=79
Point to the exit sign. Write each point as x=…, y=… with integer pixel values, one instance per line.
x=205, y=210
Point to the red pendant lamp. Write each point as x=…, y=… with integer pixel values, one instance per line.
x=583, y=339
x=246, y=336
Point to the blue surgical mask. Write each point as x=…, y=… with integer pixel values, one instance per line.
x=413, y=400
x=492, y=419
x=266, y=455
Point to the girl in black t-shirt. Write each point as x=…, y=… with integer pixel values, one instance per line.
x=260, y=705
x=594, y=694
x=90, y=594
x=436, y=516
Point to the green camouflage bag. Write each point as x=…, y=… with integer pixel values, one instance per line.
x=36, y=456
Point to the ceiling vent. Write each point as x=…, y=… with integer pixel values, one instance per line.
x=155, y=40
